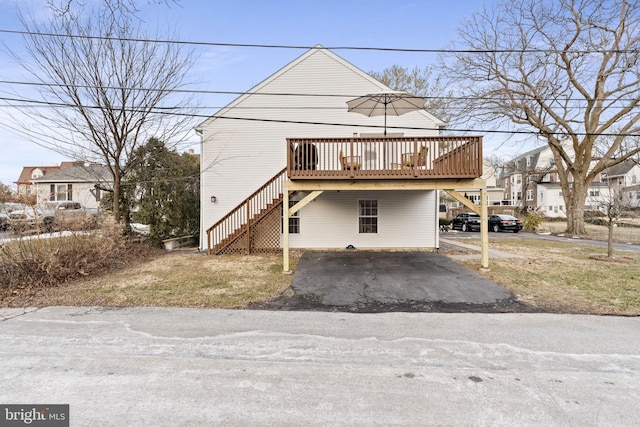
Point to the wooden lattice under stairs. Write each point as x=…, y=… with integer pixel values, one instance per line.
x=254, y=225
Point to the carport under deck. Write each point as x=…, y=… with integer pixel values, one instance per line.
x=316, y=165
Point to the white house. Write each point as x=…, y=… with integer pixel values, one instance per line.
x=360, y=191
x=625, y=177
x=531, y=181
x=77, y=181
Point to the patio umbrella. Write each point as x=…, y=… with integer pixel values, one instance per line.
x=385, y=103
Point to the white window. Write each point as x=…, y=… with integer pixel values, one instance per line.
x=594, y=193
x=294, y=220
x=368, y=216
x=529, y=195
x=61, y=192
x=528, y=161
x=541, y=198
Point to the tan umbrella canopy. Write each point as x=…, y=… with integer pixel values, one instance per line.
x=385, y=103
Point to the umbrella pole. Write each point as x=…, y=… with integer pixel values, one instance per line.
x=385, y=119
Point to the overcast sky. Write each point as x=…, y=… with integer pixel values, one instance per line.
x=402, y=24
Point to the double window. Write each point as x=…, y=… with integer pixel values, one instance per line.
x=61, y=192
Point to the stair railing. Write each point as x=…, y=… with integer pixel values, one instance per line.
x=240, y=218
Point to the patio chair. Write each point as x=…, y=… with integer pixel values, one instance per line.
x=350, y=162
x=409, y=160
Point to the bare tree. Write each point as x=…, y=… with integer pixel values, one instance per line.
x=566, y=70
x=110, y=86
x=614, y=204
x=6, y=193
x=62, y=7
x=421, y=82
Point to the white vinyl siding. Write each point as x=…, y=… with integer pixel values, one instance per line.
x=83, y=192
x=406, y=219
x=239, y=156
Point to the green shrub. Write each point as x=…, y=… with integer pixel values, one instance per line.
x=532, y=222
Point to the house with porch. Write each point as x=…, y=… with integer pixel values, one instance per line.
x=289, y=148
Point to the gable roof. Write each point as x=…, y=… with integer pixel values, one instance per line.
x=317, y=53
x=621, y=169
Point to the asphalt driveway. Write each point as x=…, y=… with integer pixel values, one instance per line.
x=395, y=281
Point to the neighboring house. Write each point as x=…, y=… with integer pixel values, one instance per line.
x=625, y=177
x=290, y=143
x=25, y=183
x=495, y=192
x=78, y=182
x=530, y=181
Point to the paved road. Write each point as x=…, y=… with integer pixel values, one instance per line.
x=173, y=367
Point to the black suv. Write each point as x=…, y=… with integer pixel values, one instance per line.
x=466, y=221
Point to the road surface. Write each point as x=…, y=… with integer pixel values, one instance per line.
x=173, y=367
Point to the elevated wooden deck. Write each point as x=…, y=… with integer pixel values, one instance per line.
x=384, y=158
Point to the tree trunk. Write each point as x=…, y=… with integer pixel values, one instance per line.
x=610, y=224
x=575, y=210
x=116, y=197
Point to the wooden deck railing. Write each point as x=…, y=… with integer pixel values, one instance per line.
x=434, y=157
x=239, y=220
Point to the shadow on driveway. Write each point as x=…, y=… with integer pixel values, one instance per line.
x=371, y=281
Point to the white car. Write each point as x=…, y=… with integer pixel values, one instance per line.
x=5, y=210
x=30, y=217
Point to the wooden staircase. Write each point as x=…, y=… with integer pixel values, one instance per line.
x=254, y=225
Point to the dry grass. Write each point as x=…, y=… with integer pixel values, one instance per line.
x=179, y=279
x=597, y=232
x=553, y=276
x=561, y=277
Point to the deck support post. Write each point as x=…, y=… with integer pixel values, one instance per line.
x=484, y=229
x=285, y=231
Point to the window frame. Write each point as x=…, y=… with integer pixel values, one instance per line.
x=368, y=214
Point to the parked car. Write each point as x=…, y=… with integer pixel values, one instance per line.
x=69, y=215
x=466, y=221
x=504, y=222
x=5, y=210
x=30, y=217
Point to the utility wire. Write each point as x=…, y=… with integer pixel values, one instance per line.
x=273, y=46
x=304, y=122
x=241, y=93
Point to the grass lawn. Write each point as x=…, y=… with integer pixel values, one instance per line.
x=561, y=277
x=552, y=276
x=176, y=279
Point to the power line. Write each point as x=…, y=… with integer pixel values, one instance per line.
x=304, y=122
x=299, y=47
x=242, y=93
